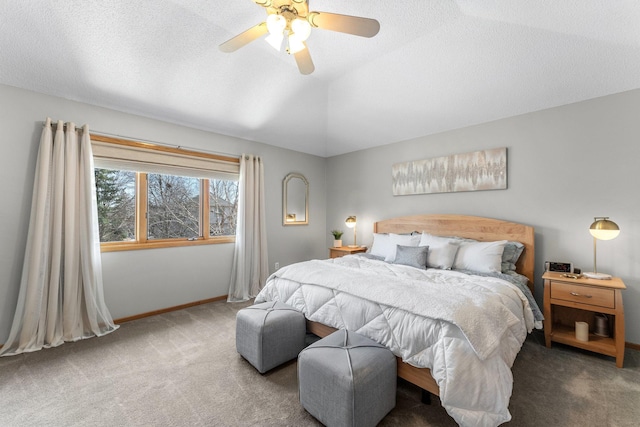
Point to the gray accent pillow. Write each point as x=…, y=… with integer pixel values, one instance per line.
x=512, y=251
x=413, y=256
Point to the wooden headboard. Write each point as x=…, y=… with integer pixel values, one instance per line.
x=471, y=227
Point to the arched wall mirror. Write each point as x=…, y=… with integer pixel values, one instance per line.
x=295, y=200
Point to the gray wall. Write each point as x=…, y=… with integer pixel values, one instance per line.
x=565, y=166
x=141, y=281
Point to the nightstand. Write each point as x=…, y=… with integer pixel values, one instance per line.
x=345, y=250
x=569, y=300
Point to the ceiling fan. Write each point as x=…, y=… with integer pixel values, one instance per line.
x=289, y=24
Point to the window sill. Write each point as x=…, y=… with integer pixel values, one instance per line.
x=157, y=244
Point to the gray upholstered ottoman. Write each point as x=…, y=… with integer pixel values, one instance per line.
x=346, y=379
x=269, y=334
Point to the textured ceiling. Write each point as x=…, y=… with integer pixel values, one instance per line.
x=435, y=65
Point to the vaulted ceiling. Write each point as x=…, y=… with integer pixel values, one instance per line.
x=435, y=65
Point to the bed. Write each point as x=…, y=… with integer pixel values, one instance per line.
x=460, y=356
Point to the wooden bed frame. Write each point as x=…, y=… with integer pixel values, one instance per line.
x=472, y=227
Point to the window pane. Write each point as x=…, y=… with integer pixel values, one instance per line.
x=173, y=207
x=223, y=207
x=115, y=191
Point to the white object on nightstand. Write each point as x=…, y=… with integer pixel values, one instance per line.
x=599, y=276
x=582, y=331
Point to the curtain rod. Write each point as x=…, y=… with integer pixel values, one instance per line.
x=166, y=144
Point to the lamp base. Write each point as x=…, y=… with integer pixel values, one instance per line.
x=599, y=276
x=354, y=246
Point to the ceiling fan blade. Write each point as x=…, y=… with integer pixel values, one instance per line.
x=356, y=25
x=244, y=38
x=303, y=59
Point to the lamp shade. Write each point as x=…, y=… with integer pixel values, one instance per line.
x=301, y=28
x=603, y=229
x=350, y=222
x=275, y=40
x=295, y=44
x=276, y=23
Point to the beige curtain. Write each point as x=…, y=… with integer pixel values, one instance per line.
x=61, y=294
x=250, y=261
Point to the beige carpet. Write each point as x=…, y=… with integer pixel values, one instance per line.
x=182, y=369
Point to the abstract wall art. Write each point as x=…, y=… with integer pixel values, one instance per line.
x=479, y=170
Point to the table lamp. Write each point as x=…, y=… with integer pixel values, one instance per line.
x=351, y=223
x=601, y=229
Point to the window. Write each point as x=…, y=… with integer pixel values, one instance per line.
x=160, y=206
x=223, y=207
x=116, y=194
x=173, y=207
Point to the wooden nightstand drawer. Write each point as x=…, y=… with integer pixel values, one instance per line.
x=583, y=294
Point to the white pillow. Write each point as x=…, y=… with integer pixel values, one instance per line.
x=442, y=251
x=402, y=240
x=382, y=245
x=483, y=257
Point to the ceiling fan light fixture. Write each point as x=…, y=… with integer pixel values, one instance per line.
x=301, y=29
x=295, y=44
x=276, y=24
x=275, y=40
x=289, y=24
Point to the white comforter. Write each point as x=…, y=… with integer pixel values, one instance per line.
x=466, y=329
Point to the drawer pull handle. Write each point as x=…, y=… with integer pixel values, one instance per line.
x=575, y=294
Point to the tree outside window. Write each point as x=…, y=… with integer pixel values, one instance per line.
x=176, y=208
x=116, y=194
x=173, y=207
x=223, y=207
